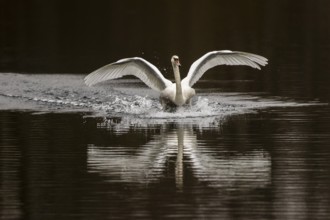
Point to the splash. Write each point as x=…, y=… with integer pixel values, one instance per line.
x=124, y=98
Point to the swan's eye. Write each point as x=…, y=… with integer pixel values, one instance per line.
x=176, y=59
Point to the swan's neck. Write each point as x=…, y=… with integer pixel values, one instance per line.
x=178, y=95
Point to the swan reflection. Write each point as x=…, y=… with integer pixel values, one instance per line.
x=179, y=148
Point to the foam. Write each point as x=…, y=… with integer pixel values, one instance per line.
x=67, y=92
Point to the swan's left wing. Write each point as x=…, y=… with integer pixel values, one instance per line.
x=222, y=57
x=135, y=66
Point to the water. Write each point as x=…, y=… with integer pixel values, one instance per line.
x=69, y=151
x=254, y=144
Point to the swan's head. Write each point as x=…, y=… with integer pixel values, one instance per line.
x=175, y=61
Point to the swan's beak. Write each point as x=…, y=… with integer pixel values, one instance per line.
x=178, y=63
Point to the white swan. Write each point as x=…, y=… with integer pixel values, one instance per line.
x=180, y=92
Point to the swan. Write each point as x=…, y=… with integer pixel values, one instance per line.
x=180, y=92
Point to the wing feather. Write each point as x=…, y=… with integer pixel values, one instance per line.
x=222, y=57
x=135, y=66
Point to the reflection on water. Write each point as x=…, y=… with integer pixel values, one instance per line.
x=251, y=169
x=273, y=164
x=231, y=155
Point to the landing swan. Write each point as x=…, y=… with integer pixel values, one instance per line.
x=180, y=92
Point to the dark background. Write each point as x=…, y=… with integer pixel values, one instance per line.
x=73, y=36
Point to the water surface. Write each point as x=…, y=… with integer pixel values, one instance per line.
x=73, y=152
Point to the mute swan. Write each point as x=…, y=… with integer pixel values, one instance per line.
x=180, y=92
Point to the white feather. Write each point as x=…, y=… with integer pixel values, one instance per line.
x=135, y=66
x=222, y=57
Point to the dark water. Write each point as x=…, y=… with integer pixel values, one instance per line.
x=73, y=152
x=254, y=145
x=270, y=165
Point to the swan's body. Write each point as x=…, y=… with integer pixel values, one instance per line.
x=180, y=92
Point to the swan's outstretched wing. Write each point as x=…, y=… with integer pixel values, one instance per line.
x=135, y=66
x=222, y=57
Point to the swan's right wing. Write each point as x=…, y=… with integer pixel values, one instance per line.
x=135, y=66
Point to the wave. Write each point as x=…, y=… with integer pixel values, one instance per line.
x=58, y=92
